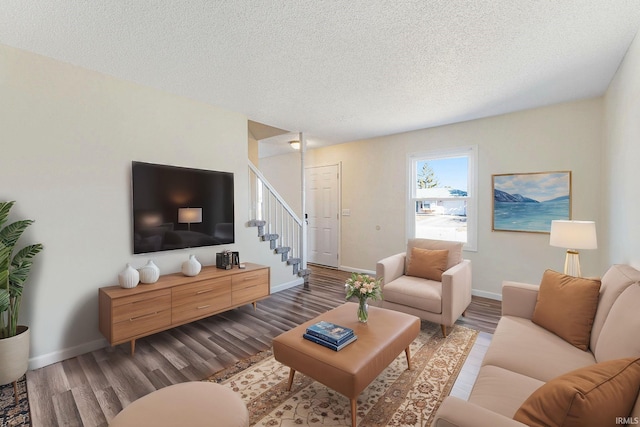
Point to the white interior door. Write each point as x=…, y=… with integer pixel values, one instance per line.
x=322, y=184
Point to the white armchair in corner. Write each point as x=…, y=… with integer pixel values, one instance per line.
x=410, y=281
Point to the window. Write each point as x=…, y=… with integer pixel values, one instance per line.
x=442, y=202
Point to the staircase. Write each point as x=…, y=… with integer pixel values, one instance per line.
x=276, y=222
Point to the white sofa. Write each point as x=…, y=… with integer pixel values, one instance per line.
x=523, y=356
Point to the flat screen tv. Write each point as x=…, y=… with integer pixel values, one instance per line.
x=176, y=207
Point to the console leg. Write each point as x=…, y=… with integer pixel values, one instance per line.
x=292, y=372
x=133, y=346
x=255, y=304
x=407, y=351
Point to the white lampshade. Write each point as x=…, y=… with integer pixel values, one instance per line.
x=189, y=215
x=573, y=234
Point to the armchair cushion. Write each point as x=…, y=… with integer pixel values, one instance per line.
x=590, y=396
x=427, y=263
x=559, y=291
x=415, y=292
x=454, y=248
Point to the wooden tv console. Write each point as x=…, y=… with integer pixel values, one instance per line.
x=176, y=299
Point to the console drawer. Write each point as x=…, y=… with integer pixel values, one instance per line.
x=200, y=299
x=250, y=286
x=142, y=324
x=141, y=304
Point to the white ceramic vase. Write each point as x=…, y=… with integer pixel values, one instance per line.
x=129, y=277
x=191, y=267
x=150, y=273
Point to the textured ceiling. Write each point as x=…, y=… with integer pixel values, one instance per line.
x=341, y=70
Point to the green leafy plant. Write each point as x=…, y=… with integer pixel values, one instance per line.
x=14, y=269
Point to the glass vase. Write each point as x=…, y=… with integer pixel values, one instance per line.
x=363, y=311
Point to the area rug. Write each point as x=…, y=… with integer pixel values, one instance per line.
x=12, y=415
x=397, y=397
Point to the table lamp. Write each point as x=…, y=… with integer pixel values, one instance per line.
x=573, y=235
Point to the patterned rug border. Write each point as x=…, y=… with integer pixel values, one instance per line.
x=381, y=412
x=239, y=366
x=13, y=415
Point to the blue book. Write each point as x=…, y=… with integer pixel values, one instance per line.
x=330, y=332
x=328, y=344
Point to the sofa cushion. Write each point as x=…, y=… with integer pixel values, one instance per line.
x=593, y=396
x=617, y=278
x=524, y=347
x=428, y=263
x=454, y=248
x=620, y=337
x=558, y=292
x=415, y=292
x=501, y=390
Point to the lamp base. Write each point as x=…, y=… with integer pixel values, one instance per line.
x=572, y=263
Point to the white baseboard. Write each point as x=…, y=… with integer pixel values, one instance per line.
x=67, y=353
x=287, y=285
x=356, y=270
x=485, y=294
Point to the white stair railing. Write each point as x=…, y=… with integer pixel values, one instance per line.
x=276, y=221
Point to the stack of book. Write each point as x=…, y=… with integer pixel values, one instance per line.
x=330, y=335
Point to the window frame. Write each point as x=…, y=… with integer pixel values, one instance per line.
x=471, y=152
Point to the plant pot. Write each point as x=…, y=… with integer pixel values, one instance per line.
x=14, y=355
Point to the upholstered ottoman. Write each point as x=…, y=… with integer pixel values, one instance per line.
x=350, y=370
x=192, y=404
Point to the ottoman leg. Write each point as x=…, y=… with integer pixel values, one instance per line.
x=407, y=351
x=353, y=412
x=292, y=372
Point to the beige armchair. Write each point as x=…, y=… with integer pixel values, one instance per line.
x=431, y=280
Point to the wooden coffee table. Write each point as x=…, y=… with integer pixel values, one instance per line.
x=350, y=370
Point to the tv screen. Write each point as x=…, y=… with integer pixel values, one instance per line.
x=176, y=207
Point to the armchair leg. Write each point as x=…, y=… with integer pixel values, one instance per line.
x=444, y=330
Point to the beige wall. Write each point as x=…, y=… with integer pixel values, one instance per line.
x=559, y=137
x=68, y=138
x=253, y=150
x=621, y=201
x=283, y=173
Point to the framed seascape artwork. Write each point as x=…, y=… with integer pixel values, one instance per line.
x=529, y=201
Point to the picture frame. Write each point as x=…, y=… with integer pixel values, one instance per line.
x=528, y=202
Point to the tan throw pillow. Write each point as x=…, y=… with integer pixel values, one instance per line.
x=566, y=306
x=427, y=263
x=594, y=396
x=454, y=248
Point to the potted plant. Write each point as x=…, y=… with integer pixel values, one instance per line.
x=14, y=270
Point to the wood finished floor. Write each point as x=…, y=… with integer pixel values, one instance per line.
x=89, y=390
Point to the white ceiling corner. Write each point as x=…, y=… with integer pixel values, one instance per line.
x=341, y=70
